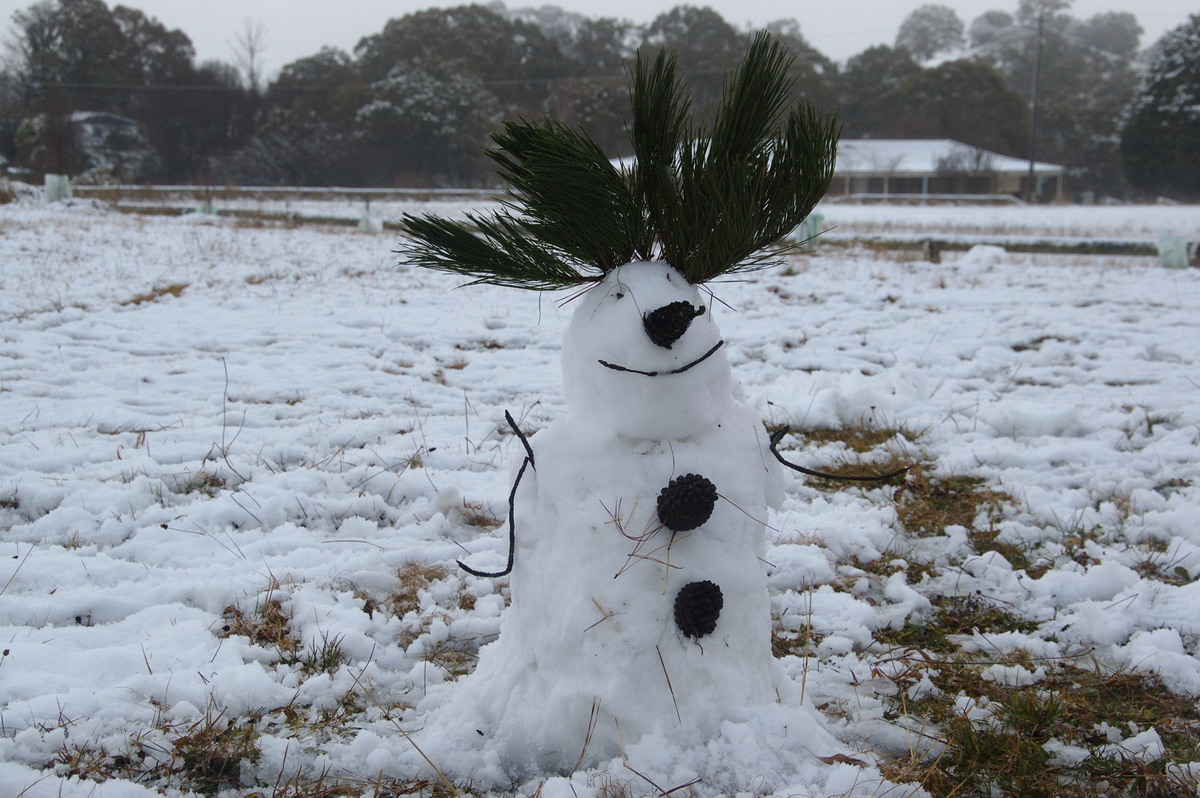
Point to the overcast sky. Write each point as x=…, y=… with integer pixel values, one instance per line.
x=297, y=28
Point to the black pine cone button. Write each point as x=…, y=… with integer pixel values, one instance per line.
x=697, y=608
x=686, y=502
x=667, y=324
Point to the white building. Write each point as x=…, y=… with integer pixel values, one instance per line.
x=936, y=167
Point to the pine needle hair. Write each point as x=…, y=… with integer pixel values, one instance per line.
x=708, y=199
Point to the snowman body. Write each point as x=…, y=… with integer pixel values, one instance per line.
x=592, y=655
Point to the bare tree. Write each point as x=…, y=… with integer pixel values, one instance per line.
x=248, y=47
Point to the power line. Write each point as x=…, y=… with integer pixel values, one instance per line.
x=139, y=86
x=164, y=87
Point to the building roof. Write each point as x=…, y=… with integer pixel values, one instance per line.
x=918, y=157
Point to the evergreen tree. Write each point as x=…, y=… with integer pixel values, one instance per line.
x=80, y=55
x=1082, y=90
x=876, y=91
x=1160, y=143
x=706, y=46
x=427, y=125
x=970, y=102
x=929, y=31
x=478, y=42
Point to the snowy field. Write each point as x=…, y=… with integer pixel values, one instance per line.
x=843, y=219
x=237, y=465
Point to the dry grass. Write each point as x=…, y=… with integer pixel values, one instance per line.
x=210, y=752
x=1037, y=728
x=952, y=616
x=155, y=294
x=928, y=505
x=411, y=579
x=454, y=655
x=476, y=514
x=266, y=624
x=203, y=481
x=1005, y=743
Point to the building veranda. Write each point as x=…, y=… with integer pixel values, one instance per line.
x=937, y=167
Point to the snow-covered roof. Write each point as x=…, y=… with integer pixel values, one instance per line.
x=916, y=157
x=106, y=118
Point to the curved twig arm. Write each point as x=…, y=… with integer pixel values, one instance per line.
x=512, y=502
x=777, y=436
x=524, y=441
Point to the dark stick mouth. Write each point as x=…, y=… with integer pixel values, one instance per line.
x=679, y=370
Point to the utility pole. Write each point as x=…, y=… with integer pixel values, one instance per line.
x=1033, y=109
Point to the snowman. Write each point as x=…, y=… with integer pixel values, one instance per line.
x=640, y=608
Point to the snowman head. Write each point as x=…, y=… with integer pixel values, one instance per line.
x=698, y=200
x=642, y=356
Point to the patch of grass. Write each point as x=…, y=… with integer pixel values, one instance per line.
x=954, y=615
x=411, y=579
x=266, y=625
x=1171, y=486
x=476, y=515
x=1056, y=736
x=1036, y=343
x=1156, y=564
x=1078, y=540
x=862, y=438
x=800, y=642
x=915, y=566
x=210, y=753
x=965, y=614
x=323, y=656
x=456, y=656
x=927, y=506
x=323, y=723
x=320, y=787
x=156, y=293
x=985, y=540
x=93, y=763
x=203, y=482
x=478, y=344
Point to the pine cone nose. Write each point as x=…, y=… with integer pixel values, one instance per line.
x=667, y=324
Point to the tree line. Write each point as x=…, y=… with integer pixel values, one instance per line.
x=109, y=94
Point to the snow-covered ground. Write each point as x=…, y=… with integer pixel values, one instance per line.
x=843, y=219
x=1134, y=222
x=206, y=428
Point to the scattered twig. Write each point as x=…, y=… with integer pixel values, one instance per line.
x=13, y=575
x=587, y=737
x=661, y=791
x=669, y=687
x=387, y=714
